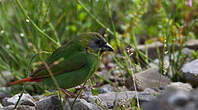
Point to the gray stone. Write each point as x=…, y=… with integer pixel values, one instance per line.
x=187, y=52
x=191, y=67
x=192, y=44
x=4, y=93
x=170, y=100
x=1, y=106
x=96, y=100
x=82, y=104
x=150, y=78
x=49, y=103
x=179, y=86
x=112, y=98
x=153, y=92
x=8, y=75
x=174, y=99
x=106, y=88
x=10, y=107
x=190, y=72
x=20, y=107
x=26, y=99
x=152, y=49
x=179, y=98
x=53, y=103
x=26, y=107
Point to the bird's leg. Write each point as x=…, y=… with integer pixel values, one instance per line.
x=68, y=93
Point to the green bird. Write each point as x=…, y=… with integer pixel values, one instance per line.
x=72, y=63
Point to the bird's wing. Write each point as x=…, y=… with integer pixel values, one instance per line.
x=62, y=66
x=64, y=59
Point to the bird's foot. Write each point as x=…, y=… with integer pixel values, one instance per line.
x=70, y=94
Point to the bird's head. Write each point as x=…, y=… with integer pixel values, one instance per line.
x=94, y=42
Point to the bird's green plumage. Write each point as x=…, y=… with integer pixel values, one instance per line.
x=73, y=62
x=78, y=76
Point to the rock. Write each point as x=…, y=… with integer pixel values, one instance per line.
x=171, y=100
x=192, y=44
x=8, y=75
x=179, y=98
x=117, y=72
x=53, y=103
x=49, y=103
x=26, y=99
x=112, y=99
x=174, y=99
x=191, y=67
x=190, y=72
x=20, y=107
x=153, y=92
x=106, y=88
x=179, y=86
x=4, y=93
x=1, y=106
x=26, y=107
x=150, y=78
x=82, y=104
x=187, y=52
x=152, y=49
x=10, y=107
x=96, y=100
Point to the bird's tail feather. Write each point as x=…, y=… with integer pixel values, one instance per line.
x=29, y=79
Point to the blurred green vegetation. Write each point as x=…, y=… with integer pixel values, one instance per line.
x=127, y=24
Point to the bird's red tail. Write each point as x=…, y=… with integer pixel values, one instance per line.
x=29, y=79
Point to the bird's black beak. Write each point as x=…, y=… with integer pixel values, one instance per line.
x=108, y=47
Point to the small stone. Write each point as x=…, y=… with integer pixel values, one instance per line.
x=8, y=75
x=116, y=72
x=4, y=93
x=111, y=98
x=20, y=107
x=26, y=107
x=191, y=67
x=187, y=51
x=179, y=98
x=102, y=73
x=96, y=100
x=82, y=104
x=106, y=88
x=1, y=106
x=192, y=44
x=26, y=99
x=174, y=99
x=49, y=103
x=190, y=106
x=150, y=78
x=152, y=49
x=152, y=91
x=10, y=107
x=190, y=72
x=180, y=86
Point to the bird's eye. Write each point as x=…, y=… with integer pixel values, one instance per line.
x=100, y=43
x=97, y=42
